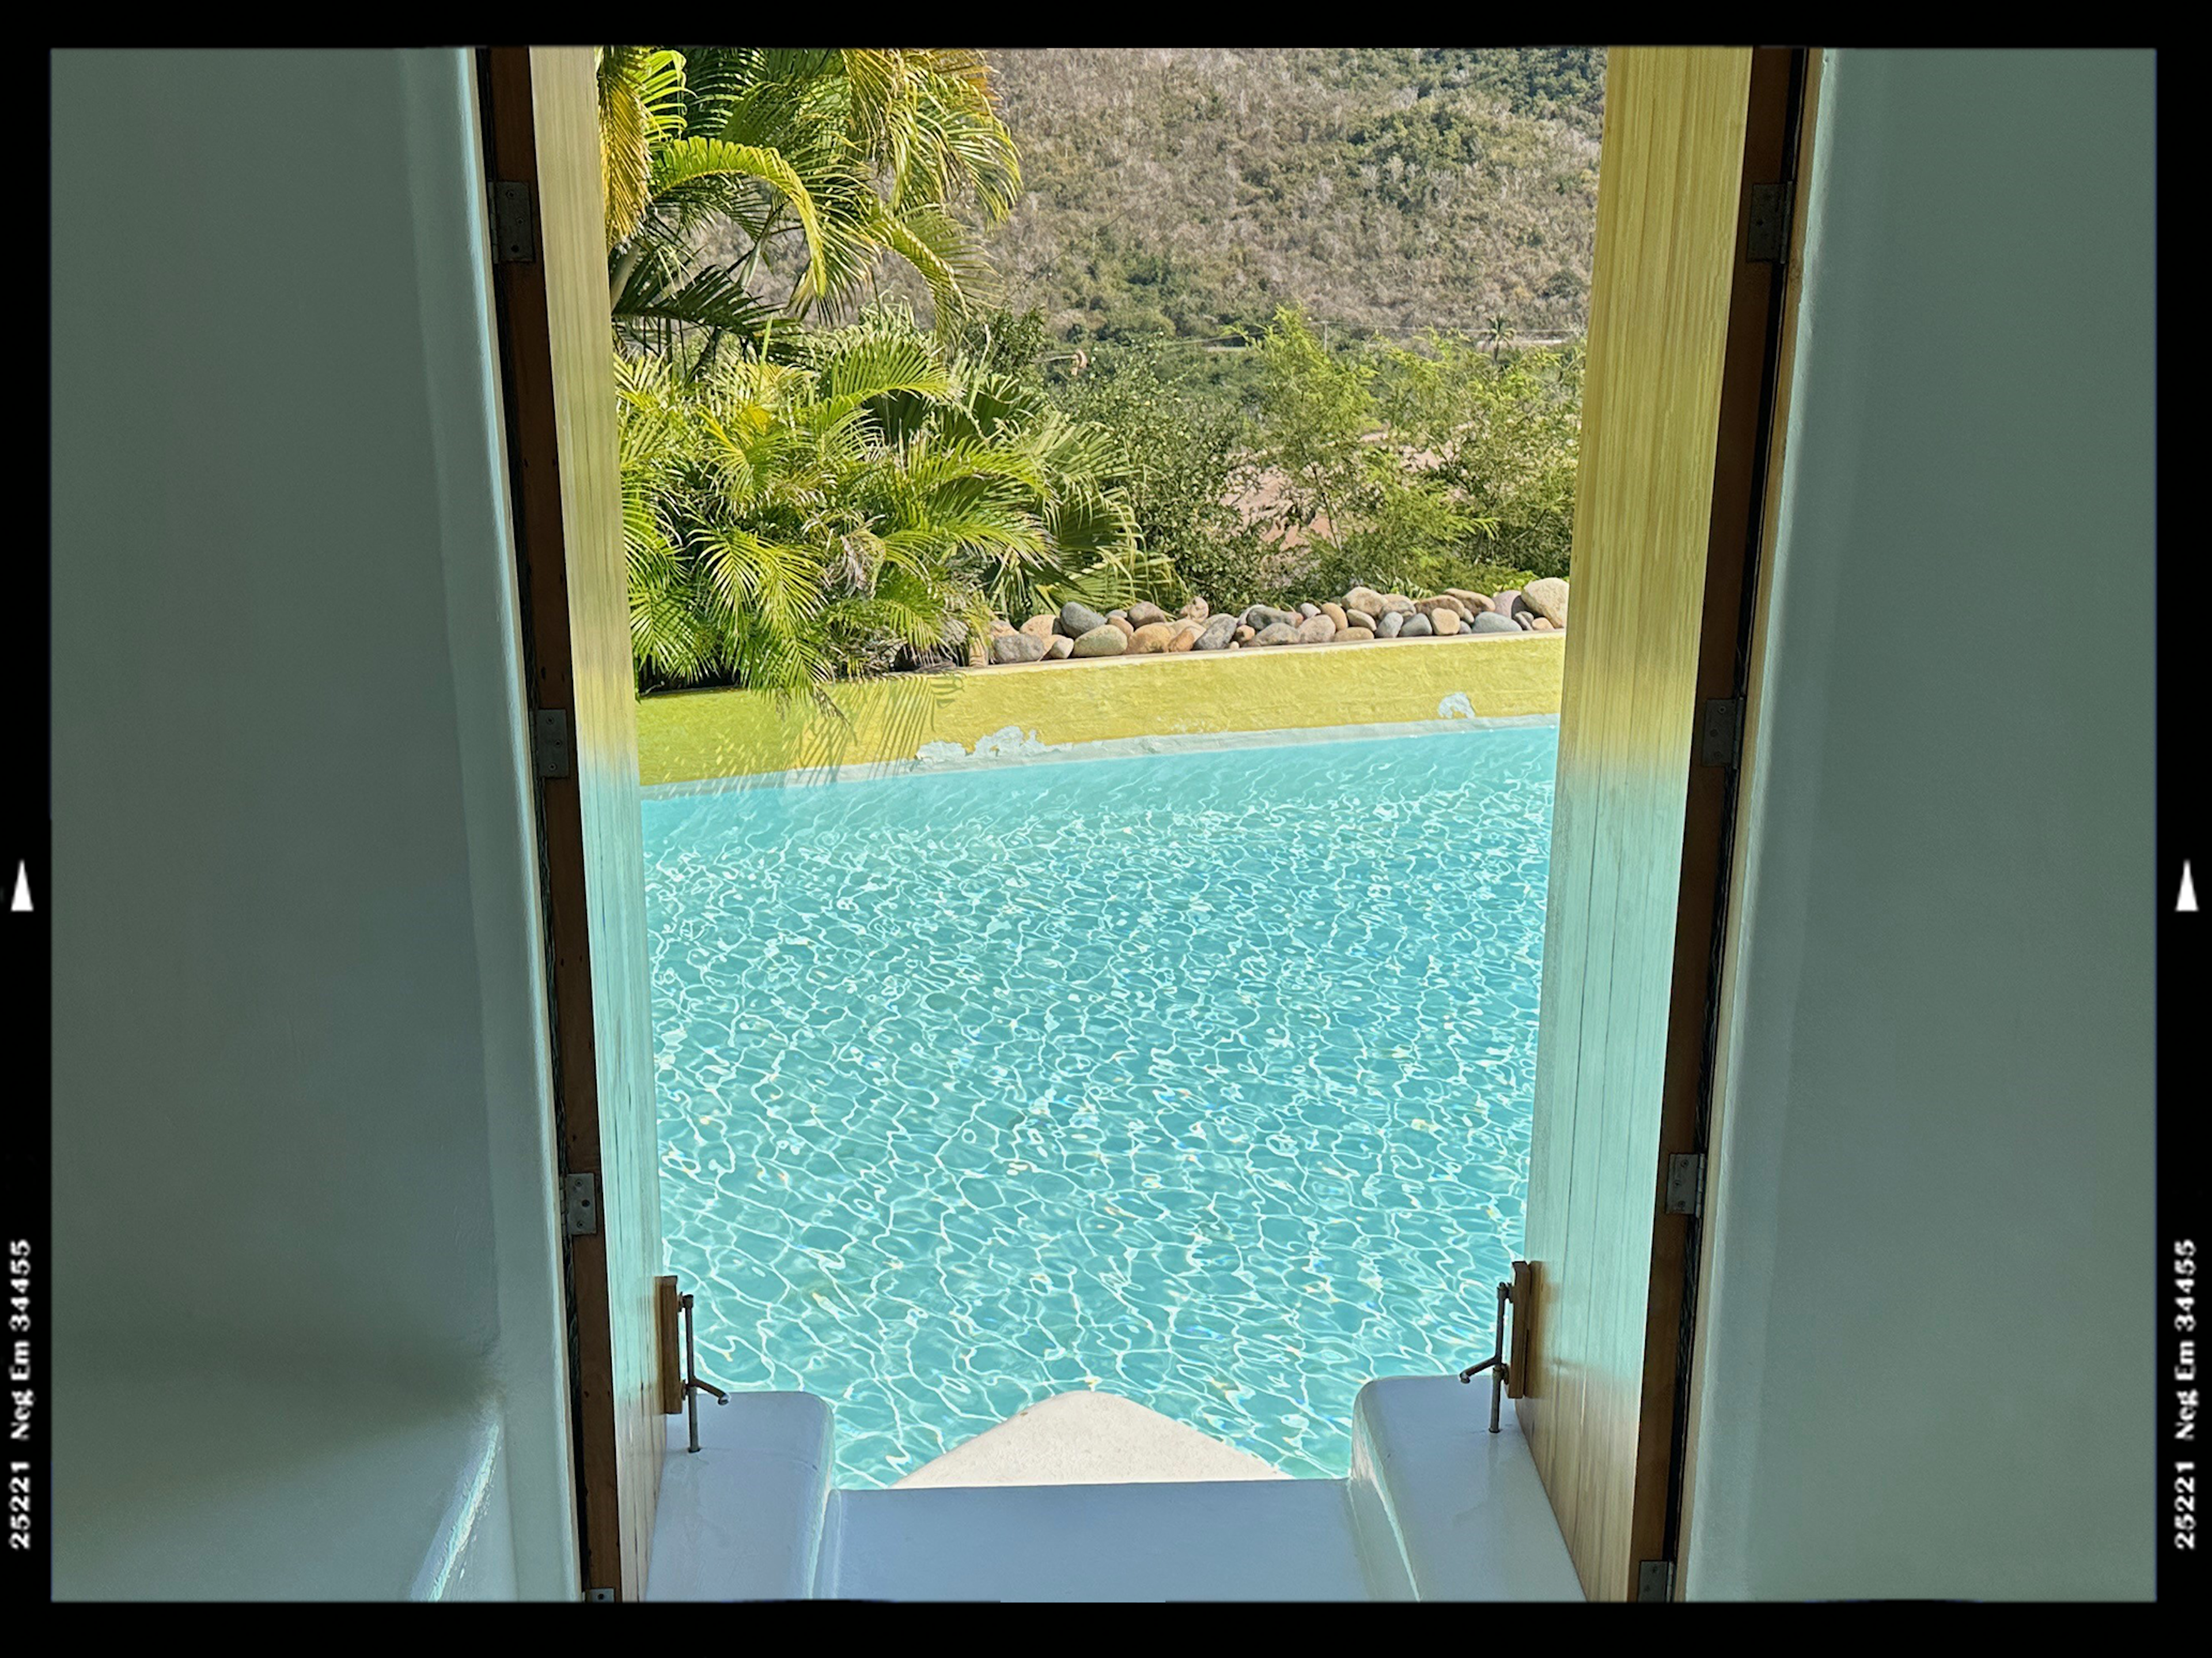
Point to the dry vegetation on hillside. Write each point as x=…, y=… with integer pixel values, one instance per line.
x=1395, y=189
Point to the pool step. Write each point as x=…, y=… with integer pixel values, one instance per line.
x=1239, y=1539
x=742, y=1518
x=1435, y=1507
x=1458, y=1509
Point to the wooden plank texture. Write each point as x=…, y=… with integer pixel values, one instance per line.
x=668, y=1312
x=556, y=345
x=1670, y=178
x=573, y=249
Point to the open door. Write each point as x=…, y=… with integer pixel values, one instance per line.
x=1679, y=397
x=542, y=143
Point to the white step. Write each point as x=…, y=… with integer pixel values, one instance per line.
x=1460, y=1506
x=742, y=1518
x=1242, y=1539
x=279, y=1483
x=1437, y=1508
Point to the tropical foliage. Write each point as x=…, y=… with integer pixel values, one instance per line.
x=1183, y=439
x=818, y=485
x=813, y=486
x=805, y=169
x=1421, y=467
x=865, y=506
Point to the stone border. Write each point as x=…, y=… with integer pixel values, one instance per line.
x=1129, y=659
x=1077, y=631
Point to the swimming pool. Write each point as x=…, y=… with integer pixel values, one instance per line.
x=1203, y=1077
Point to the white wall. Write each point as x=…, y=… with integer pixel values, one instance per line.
x=303, y=1177
x=1925, y=1355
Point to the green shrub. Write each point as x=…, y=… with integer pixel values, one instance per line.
x=1180, y=439
x=790, y=523
x=1413, y=468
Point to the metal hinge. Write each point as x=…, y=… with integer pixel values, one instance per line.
x=600, y=1594
x=1767, y=238
x=579, y=1202
x=514, y=222
x=550, y=728
x=1655, y=1580
x=1685, y=1183
x=1720, y=737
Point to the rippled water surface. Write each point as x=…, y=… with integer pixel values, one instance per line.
x=1203, y=1077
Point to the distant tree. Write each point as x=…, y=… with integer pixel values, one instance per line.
x=1316, y=413
x=1419, y=467
x=1181, y=441
x=1501, y=441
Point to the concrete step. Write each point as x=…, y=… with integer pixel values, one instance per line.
x=742, y=1518
x=1244, y=1539
x=1435, y=1507
x=1462, y=1509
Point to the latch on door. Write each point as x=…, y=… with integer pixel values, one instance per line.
x=1509, y=1376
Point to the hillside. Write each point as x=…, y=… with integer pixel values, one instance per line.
x=1388, y=189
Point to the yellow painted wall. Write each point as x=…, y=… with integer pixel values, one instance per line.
x=691, y=735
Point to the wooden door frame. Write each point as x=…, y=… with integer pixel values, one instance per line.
x=1753, y=407
x=533, y=457
x=1756, y=591
x=1617, y=1477
x=1754, y=404
x=1744, y=483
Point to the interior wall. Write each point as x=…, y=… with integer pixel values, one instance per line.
x=1924, y=1355
x=302, y=1114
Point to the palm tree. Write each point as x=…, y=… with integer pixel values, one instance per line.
x=843, y=156
x=1497, y=335
x=791, y=523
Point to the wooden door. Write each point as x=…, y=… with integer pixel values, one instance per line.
x=557, y=344
x=1678, y=392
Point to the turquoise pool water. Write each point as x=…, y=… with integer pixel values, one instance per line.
x=1203, y=1077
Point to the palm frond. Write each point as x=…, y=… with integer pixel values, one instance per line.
x=641, y=99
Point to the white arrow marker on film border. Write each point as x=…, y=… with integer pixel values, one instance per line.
x=23, y=887
x=2186, y=902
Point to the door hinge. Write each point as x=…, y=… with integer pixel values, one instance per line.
x=579, y=1202
x=1685, y=1183
x=550, y=727
x=1655, y=1580
x=1767, y=237
x=514, y=222
x=601, y=1595
x=1720, y=737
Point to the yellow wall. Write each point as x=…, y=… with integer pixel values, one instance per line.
x=691, y=735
